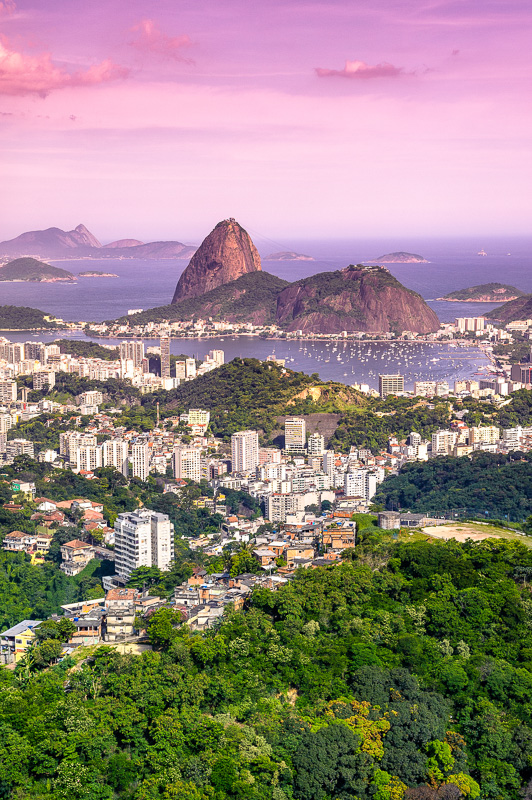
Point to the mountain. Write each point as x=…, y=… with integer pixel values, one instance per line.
x=484, y=293
x=513, y=310
x=29, y=269
x=357, y=298
x=121, y=243
x=81, y=243
x=251, y=298
x=155, y=250
x=52, y=242
x=288, y=255
x=226, y=254
x=400, y=257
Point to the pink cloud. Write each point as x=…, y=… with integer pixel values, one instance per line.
x=152, y=40
x=7, y=7
x=22, y=74
x=361, y=71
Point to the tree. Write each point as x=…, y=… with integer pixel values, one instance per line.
x=47, y=652
x=162, y=627
x=328, y=764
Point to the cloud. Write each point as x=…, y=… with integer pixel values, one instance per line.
x=7, y=7
x=152, y=40
x=22, y=74
x=359, y=70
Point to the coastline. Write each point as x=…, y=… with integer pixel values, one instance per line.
x=474, y=300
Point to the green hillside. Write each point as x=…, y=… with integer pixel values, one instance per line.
x=30, y=269
x=513, y=310
x=238, y=301
x=247, y=393
x=14, y=318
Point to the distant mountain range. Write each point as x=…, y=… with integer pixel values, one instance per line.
x=81, y=243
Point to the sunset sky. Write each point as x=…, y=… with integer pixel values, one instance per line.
x=299, y=118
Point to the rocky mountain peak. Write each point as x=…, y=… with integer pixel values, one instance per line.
x=226, y=254
x=84, y=236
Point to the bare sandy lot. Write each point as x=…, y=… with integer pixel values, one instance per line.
x=463, y=531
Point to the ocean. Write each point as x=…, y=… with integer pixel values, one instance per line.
x=454, y=264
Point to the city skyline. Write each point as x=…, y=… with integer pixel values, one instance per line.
x=301, y=119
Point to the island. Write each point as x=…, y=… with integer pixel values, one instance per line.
x=288, y=255
x=34, y=271
x=484, y=293
x=400, y=257
x=97, y=274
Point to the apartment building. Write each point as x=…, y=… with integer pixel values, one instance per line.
x=143, y=538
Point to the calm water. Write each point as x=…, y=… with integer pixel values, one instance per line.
x=454, y=264
x=346, y=362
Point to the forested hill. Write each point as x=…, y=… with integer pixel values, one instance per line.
x=247, y=393
x=487, y=484
x=404, y=675
x=14, y=318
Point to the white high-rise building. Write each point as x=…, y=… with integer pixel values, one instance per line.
x=198, y=416
x=143, y=539
x=187, y=463
x=316, y=444
x=71, y=441
x=89, y=458
x=115, y=454
x=218, y=356
x=329, y=462
x=190, y=368
x=165, y=356
x=443, y=442
x=8, y=392
x=132, y=351
x=295, y=434
x=360, y=483
x=140, y=460
x=244, y=451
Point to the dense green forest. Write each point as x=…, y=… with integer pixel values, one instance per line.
x=403, y=673
x=14, y=318
x=486, y=485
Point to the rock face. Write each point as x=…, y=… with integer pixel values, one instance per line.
x=357, y=298
x=225, y=255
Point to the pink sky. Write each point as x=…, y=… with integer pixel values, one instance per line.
x=299, y=118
